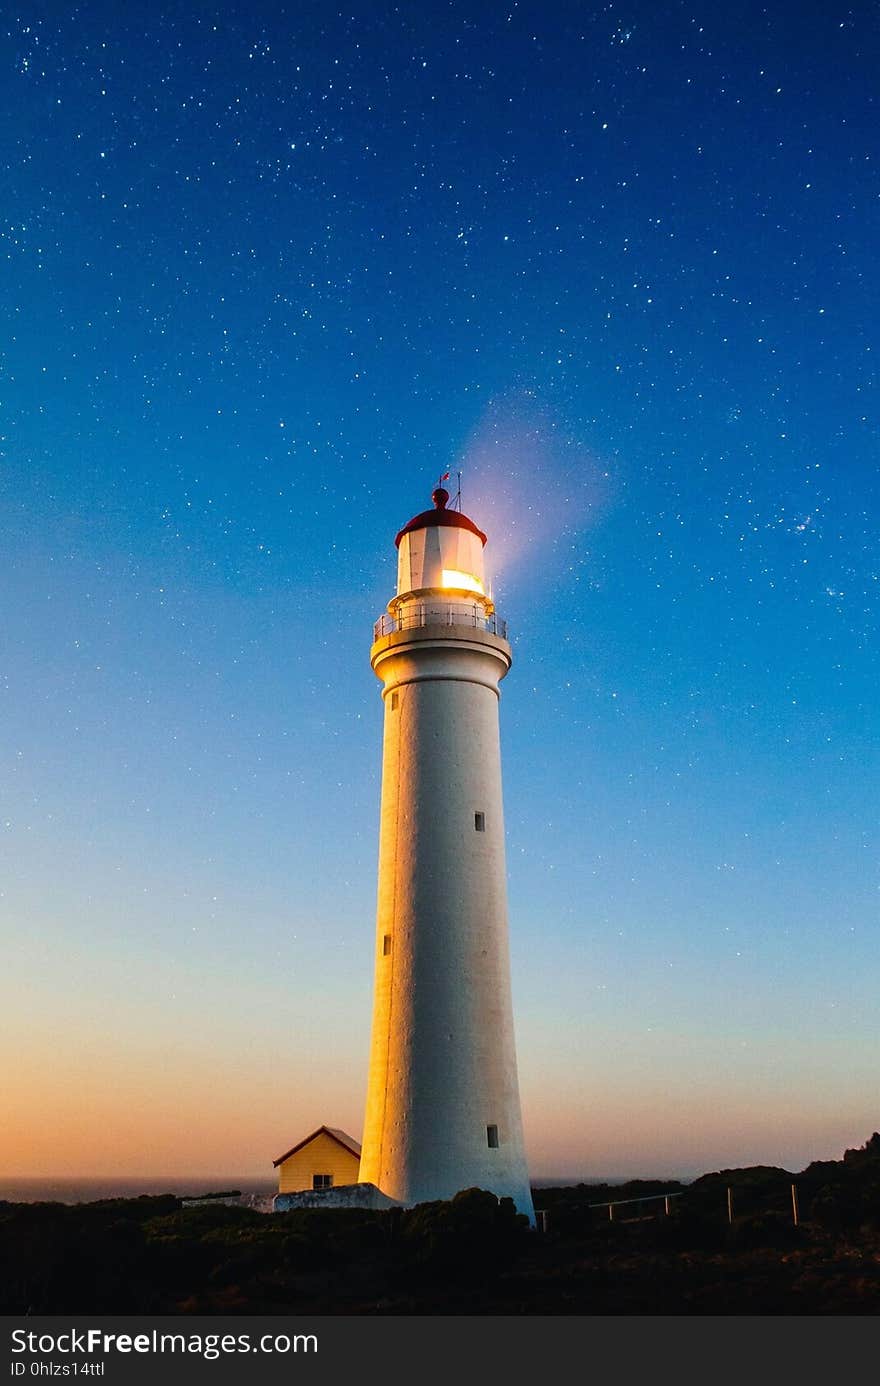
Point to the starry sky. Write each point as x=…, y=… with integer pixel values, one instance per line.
x=268, y=271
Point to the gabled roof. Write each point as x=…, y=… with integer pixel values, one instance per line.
x=341, y=1137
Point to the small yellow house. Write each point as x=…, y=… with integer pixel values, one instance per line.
x=324, y=1160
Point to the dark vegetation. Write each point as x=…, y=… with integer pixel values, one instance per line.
x=471, y=1255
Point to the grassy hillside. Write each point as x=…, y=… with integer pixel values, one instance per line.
x=471, y=1255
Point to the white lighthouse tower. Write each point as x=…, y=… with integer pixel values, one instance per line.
x=443, y=1110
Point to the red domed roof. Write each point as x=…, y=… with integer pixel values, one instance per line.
x=440, y=516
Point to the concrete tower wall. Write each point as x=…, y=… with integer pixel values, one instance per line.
x=442, y=1082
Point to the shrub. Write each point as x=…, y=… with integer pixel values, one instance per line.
x=473, y=1235
x=768, y=1230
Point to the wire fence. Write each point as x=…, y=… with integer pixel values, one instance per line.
x=647, y=1198
x=737, y=1204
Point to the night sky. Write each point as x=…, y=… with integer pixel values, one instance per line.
x=267, y=272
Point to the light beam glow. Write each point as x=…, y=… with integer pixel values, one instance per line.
x=453, y=578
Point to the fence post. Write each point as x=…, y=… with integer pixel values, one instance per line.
x=795, y=1212
x=730, y=1205
x=610, y=1212
x=666, y=1205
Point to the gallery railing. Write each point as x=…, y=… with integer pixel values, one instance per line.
x=427, y=614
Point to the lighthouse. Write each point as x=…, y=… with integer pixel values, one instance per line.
x=443, y=1110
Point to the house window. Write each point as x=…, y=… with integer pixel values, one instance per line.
x=480, y=822
x=386, y=945
x=492, y=1137
x=394, y=701
x=322, y=1181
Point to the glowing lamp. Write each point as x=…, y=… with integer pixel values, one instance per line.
x=466, y=581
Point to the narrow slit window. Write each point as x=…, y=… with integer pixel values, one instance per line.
x=394, y=702
x=492, y=1137
x=386, y=945
x=480, y=822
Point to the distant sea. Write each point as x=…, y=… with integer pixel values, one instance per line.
x=90, y=1190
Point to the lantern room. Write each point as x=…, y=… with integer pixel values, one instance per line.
x=441, y=551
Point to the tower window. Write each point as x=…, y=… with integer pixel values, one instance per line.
x=386, y=945
x=480, y=822
x=322, y=1181
x=394, y=702
x=492, y=1137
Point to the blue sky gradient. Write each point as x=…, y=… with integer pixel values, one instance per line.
x=268, y=273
